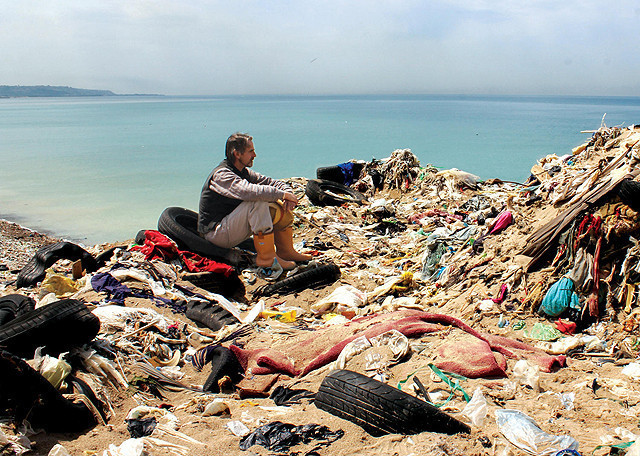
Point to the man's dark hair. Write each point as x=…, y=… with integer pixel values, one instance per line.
x=237, y=141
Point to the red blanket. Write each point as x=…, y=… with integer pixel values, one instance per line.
x=474, y=355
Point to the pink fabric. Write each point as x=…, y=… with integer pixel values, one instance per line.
x=471, y=357
x=501, y=295
x=480, y=355
x=546, y=362
x=501, y=222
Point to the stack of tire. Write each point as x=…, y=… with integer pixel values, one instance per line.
x=329, y=189
x=57, y=327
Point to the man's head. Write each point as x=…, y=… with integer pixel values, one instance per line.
x=240, y=151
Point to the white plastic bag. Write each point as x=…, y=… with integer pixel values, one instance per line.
x=527, y=374
x=58, y=450
x=523, y=432
x=476, y=409
x=130, y=447
x=345, y=297
x=632, y=370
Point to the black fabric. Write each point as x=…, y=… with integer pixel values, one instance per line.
x=141, y=428
x=25, y=394
x=282, y=395
x=223, y=364
x=214, y=206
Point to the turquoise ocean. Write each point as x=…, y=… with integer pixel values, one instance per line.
x=101, y=169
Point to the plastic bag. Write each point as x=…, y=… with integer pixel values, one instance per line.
x=476, y=409
x=53, y=369
x=501, y=222
x=131, y=447
x=141, y=427
x=632, y=370
x=279, y=437
x=62, y=286
x=527, y=374
x=523, y=432
x=540, y=331
x=58, y=450
x=345, y=296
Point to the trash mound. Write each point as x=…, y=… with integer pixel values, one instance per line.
x=504, y=314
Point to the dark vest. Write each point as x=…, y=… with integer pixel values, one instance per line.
x=214, y=206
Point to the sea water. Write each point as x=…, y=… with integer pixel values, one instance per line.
x=101, y=169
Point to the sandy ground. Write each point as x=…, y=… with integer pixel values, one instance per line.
x=598, y=398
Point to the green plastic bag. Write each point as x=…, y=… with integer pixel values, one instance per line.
x=541, y=331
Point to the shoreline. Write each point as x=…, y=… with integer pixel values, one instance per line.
x=18, y=244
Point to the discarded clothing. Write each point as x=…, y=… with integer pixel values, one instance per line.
x=559, y=298
x=348, y=172
x=116, y=292
x=158, y=246
x=502, y=221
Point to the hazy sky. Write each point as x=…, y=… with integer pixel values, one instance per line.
x=586, y=47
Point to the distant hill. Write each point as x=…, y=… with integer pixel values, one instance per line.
x=51, y=91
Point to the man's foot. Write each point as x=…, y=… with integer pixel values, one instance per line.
x=295, y=256
x=264, y=263
x=286, y=265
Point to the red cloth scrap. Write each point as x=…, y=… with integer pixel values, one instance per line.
x=157, y=246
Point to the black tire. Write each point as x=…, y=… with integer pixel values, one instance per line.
x=209, y=314
x=322, y=275
x=327, y=193
x=181, y=225
x=141, y=236
x=58, y=327
x=34, y=271
x=629, y=192
x=379, y=408
x=231, y=287
x=14, y=305
x=336, y=174
x=330, y=173
x=25, y=394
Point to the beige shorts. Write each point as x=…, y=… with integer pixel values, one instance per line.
x=248, y=218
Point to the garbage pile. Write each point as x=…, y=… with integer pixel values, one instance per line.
x=442, y=314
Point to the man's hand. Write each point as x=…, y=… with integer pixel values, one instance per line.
x=289, y=201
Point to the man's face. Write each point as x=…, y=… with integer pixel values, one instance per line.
x=245, y=159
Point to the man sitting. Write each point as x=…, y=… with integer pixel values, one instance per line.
x=237, y=203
